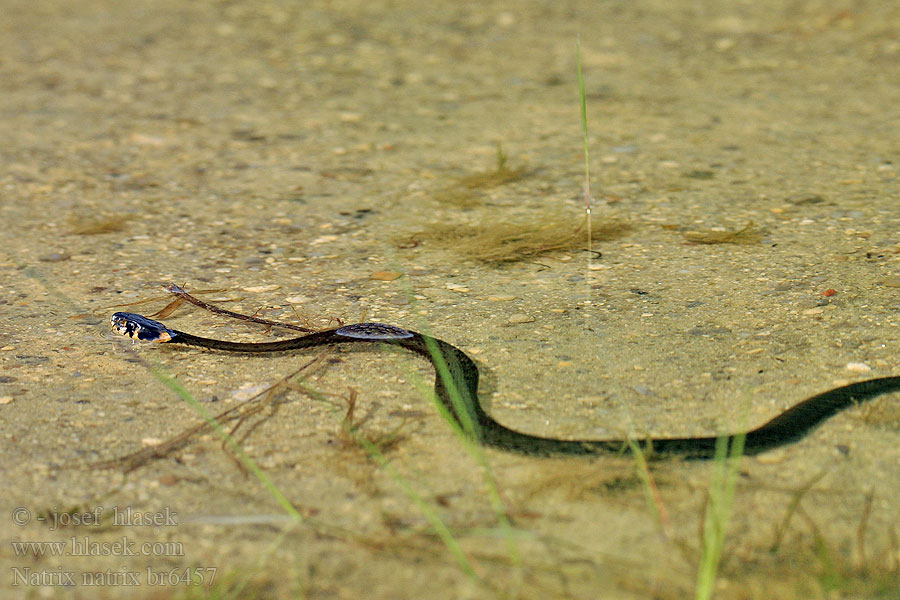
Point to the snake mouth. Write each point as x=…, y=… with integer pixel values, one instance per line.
x=139, y=327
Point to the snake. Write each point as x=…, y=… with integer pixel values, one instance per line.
x=456, y=389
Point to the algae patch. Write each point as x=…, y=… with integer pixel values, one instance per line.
x=497, y=243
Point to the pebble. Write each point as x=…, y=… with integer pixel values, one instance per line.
x=323, y=239
x=247, y=391
x=54, y=257
x=385, y=275
x=501, y=298
x=261, y=288
x=455, y=287
x=6, y=399
x=519, y=319
x=858, y=367
x=149, y=442
x=772, y=457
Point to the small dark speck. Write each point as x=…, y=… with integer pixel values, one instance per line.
x=807, y=200
x=6, y=379
x=638, y=292
x=32, y=360
x=82, y=402
x=694, y=304
x=843, y=449
x=554, y=80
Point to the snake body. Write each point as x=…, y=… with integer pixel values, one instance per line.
x=456, y=387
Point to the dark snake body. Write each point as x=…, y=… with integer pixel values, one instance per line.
x=457, y=372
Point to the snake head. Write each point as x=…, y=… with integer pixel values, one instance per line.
x=139, y=327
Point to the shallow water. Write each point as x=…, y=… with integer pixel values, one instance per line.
x=275, y=151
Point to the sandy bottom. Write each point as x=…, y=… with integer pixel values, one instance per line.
x=293, y=157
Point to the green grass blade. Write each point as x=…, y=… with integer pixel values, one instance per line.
x=173, y=384
x=726, y=467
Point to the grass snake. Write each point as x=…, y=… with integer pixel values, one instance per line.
x=456, y=386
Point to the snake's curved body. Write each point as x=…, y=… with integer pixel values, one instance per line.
x=456, y=386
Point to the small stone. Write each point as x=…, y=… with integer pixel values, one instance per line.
x=520, y=318
x=501, y=298
x=323, y=239
x=150, y=442
x=248, y=391
x=54, y=257
x=297, y=300
x=261, y=288
x=772, y=457
x=6, y=399
x=143, y=139
x=455, y=287
x=385, y=275
x=813, y=311
x=858, y=367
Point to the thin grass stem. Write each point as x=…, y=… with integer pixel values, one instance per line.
x=587, y=155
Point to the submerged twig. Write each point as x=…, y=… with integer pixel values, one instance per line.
x=240, y=412
x=184, y=295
